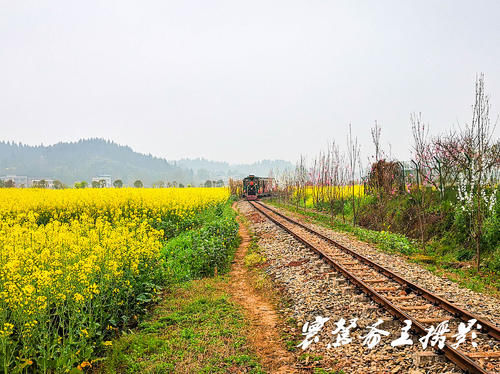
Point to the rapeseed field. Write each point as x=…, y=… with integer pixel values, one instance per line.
x=77, y=265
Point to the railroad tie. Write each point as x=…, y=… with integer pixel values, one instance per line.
x=433, y=320
x=486, y=354
x=408, y=297
x=415, y=307
x=384, y=289
x=421, y=359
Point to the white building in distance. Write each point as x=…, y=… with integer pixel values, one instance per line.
x=104, y=177
x=49, y=183
x=19, y=180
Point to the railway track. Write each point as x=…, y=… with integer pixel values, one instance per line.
x=402, y=298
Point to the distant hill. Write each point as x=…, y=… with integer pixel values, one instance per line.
x=82, y=160
x=206, y=169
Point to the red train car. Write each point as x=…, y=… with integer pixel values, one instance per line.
x=255, y=187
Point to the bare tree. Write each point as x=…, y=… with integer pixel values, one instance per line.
x=420, y=133
x=324, y=176
x=319, y=177
x=343, y=183
x=353, y=149
x=301, y=181
x=236, y=187
x=375, y=185
x=287, y=183
x=375, y=131
x=315, y=181
x=435, y=167
x=449, y=159
x=335, y=166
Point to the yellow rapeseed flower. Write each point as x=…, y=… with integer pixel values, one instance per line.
x=61, y=248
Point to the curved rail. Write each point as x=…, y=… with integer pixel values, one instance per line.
x=456, y=356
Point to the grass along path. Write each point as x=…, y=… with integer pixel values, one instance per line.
x=219, y=324
x=195, y=329
x=263, y=319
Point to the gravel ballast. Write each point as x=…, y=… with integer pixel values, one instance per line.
x=314, y=289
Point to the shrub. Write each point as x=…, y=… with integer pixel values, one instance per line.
x=197, y=253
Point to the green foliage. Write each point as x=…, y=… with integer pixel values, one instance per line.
x=198, y=252
x=254, y=256
x=386, y=240
x=254, y=259
x=490, y=241
x=195, y=329
x=446, y=226
x=323, y=371
x=445, y=251
x=390, y=242
x=81, y=184
x=494, y=262
x=195, y=250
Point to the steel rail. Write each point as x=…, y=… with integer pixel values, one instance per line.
x=459, y=358
x=489, y=327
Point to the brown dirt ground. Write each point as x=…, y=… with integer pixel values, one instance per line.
x=263, y=319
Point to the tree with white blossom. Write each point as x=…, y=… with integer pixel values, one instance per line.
x=481, y=153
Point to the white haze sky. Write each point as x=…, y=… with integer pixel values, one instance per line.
x=241, y=80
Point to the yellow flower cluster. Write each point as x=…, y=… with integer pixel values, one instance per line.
x=111, y=204
x=322, y=193
x=72, y=261
x=339, y=190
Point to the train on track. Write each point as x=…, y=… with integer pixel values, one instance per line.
x=257, y=187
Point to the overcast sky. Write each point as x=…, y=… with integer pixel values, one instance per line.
x=241, y=80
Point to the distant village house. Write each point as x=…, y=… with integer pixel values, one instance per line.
x=102, y=181
x=17, y=180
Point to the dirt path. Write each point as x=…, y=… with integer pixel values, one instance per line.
x=263, y=319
